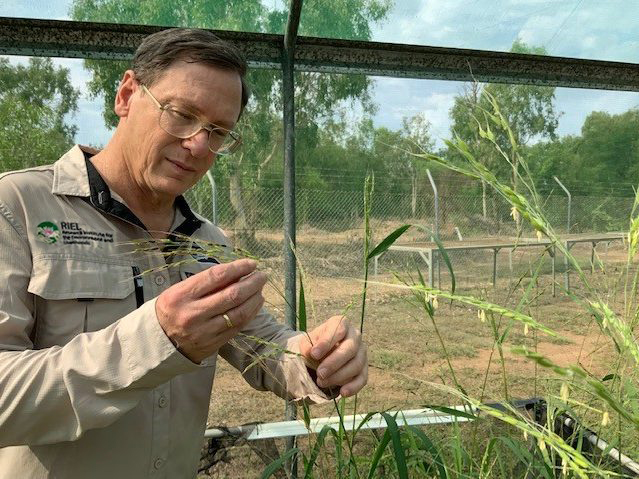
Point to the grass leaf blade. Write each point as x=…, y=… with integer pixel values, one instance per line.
x=388, y=241
x=442, y=252
x=278, y=463
x=432, y=449
x=398, y=450
x=301, y=316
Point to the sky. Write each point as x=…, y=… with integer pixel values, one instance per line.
x=591, y=29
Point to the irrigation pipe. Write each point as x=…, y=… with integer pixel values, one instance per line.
x=281, y=429
x=603, y=446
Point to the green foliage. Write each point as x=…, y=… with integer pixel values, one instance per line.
x=408, y=452
x=529, y=111
x=35, y=102
x=609, y=147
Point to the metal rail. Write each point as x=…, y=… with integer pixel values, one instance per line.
x=61, y=38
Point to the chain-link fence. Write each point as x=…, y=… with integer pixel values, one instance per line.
x=330, y=226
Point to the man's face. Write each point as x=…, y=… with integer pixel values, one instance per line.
x=159, y=163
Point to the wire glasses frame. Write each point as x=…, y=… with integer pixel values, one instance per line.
x=184, y=125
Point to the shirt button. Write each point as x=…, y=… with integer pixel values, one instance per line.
x=159, y=462
x=162, y=402
x=159, y=280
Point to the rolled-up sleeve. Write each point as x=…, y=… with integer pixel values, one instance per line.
x=267, y=354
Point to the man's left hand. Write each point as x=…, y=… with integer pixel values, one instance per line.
x=337, y=348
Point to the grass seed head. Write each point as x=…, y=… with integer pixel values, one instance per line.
x=564, y=392
x=605, y=419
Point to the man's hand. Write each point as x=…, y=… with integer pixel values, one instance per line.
x=338, y=349
x=191, y=312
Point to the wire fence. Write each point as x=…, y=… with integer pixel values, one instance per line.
x=330, y=226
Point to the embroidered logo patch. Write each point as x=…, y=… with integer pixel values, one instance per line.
x=48, y=232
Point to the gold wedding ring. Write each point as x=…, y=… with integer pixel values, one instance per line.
x=229, y=323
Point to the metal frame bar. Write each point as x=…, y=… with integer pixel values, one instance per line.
x=290, y=280
x=60, y=38
x=431, y=249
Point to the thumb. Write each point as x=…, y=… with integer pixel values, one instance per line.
x=305, y=344
x=308, y=350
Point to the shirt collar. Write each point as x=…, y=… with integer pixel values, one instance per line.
x=75, y=175
x=70, y=173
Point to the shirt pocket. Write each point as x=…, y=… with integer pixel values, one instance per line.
x=76, y=294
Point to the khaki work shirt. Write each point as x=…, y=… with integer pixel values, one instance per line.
x=90, y=385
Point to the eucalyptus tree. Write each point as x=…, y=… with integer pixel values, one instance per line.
x=36, y=101
x=318, y=96
x=529, y=110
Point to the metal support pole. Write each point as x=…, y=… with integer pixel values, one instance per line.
x=209, y=175
x=430, y=268
x=569, y=202
x=495, y=251
x=434, y=259
x=288, y=95
x=436, y=195
x=554, y=261
x=567, y=266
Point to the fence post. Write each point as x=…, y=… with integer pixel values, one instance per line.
x=566, y=272
x=209, y=175
x=435, y=258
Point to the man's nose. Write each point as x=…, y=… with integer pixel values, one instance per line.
x=198, y=144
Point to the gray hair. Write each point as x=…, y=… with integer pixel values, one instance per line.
x=160, y=50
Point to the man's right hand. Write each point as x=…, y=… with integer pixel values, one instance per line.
x=191, y=312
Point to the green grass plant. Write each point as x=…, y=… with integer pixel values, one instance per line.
x=523, y=447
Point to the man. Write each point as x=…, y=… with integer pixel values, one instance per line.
x=106, y=372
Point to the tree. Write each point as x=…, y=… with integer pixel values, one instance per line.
x=35, y=102
x=609, y=147
x=318, y=96
x=528, y=109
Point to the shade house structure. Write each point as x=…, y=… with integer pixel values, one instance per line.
x=345, y=93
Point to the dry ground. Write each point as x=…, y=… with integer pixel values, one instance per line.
x=405, y=353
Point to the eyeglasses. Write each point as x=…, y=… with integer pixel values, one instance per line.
x=184, y=125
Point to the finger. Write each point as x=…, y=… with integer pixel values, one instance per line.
x=328, y=335
x=354, y=386
x=217, y=277
x=342, y=376
x=217, y=331
x=305, y=344
x=242, y=314
x=232, y=296
x=340, y=355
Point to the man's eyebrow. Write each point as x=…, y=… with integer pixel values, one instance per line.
x=192, y=108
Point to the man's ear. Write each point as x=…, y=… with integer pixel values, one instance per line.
x=128, y=86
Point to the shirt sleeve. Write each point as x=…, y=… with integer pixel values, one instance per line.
x=267, y=354
x=58, y=393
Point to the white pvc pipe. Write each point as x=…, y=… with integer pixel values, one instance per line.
x=376, y=421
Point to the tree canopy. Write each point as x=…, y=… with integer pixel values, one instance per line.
x=36, y=101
